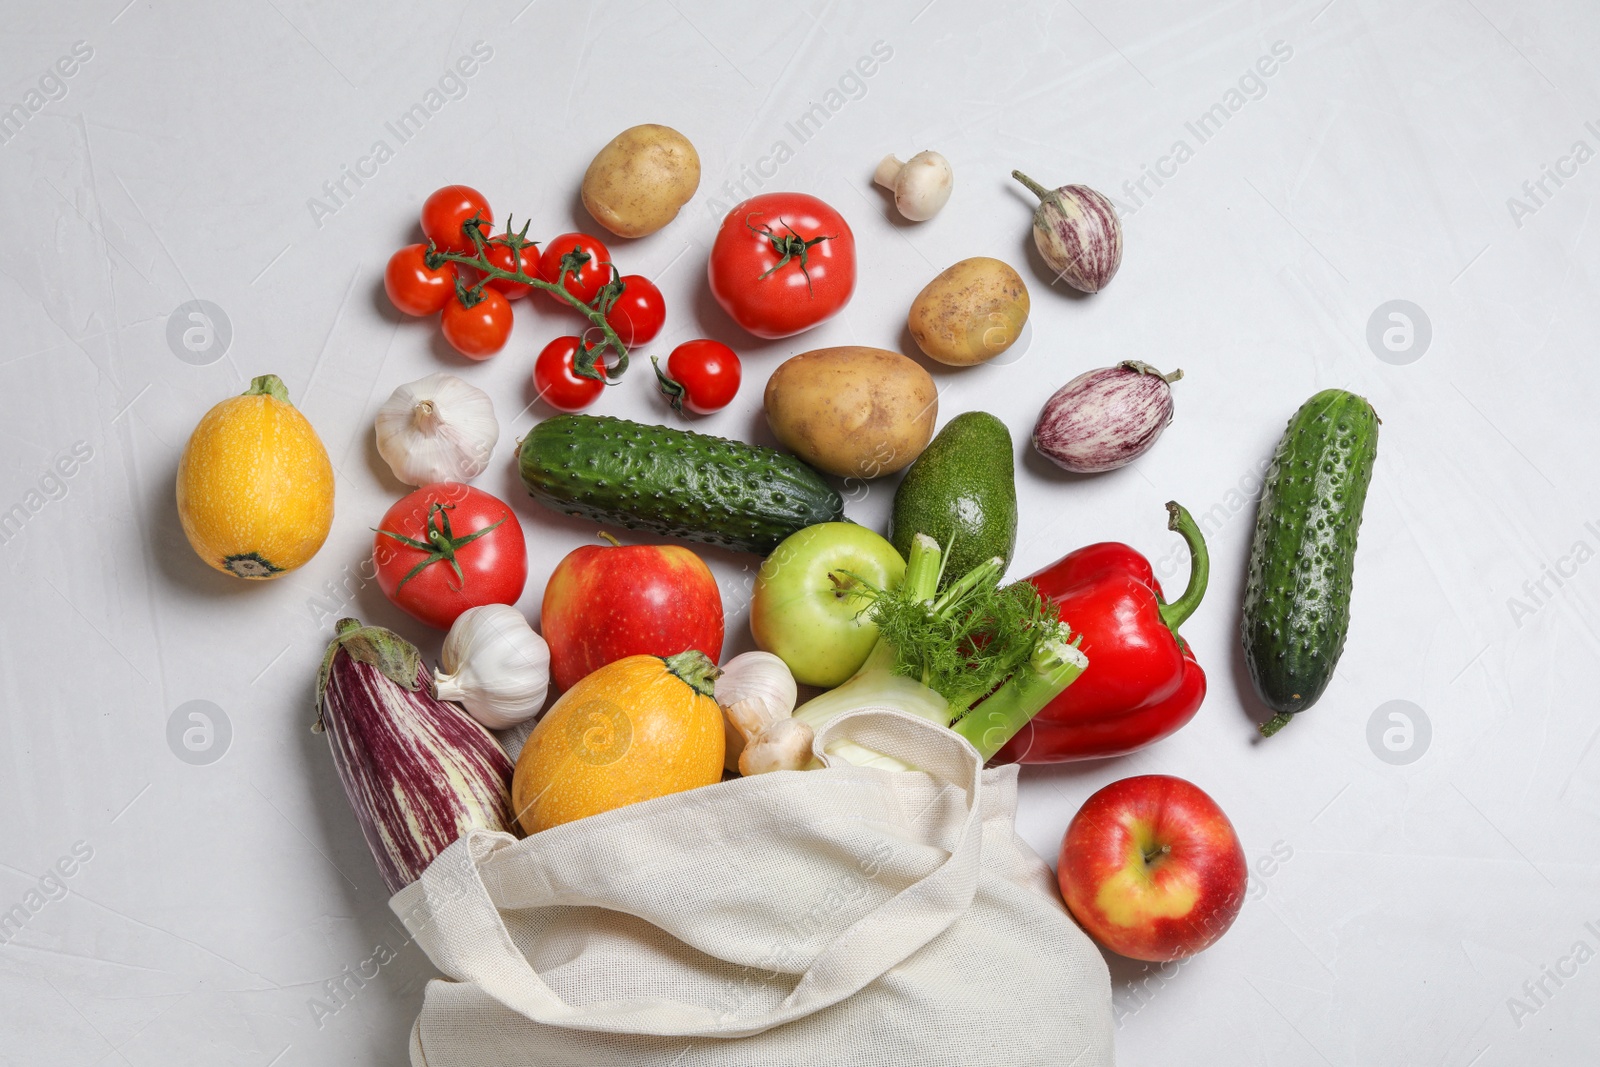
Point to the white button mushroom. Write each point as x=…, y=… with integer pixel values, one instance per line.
x=921, y=185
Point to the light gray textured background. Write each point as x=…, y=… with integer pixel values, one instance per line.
x=1397, y=908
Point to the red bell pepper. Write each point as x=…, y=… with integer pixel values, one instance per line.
x=1142, y=682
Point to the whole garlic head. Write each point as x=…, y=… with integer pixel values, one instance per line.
x=437, y=429
x=494, y=665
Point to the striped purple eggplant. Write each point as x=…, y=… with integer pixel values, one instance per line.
x=1103, y=419
x=419, y=772
x=1077, y=232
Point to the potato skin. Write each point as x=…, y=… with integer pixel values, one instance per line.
x=637, y=182
x=852, y=411
x=973, y=311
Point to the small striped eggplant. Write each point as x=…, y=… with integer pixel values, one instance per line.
x=419, y=772
x=1104, y=419
x=1077, y=232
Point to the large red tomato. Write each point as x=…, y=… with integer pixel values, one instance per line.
x=605, y=602
x=448, y=547
x=783, y=263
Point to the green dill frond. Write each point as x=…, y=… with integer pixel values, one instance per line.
x=978, y=638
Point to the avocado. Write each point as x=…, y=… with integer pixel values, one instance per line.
x=962, y=492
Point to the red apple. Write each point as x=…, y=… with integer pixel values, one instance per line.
x=605, y=602
x=1151, y=867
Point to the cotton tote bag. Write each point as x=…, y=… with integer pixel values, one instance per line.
x=838, y=916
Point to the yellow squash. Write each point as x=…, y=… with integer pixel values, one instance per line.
x=255, y=488
x=635, y=729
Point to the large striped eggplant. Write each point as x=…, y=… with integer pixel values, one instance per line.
x=419, y=772
x=1078, y=233
x=1104, y=419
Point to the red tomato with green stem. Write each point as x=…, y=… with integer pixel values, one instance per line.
x=584, y=258
x=500, y=254
x=413, y=286
x=782, y=263
x=639, y=311
x=447, y=211
x=556, y=377
x=701, y=375
x=448, y=547
x=477, y=323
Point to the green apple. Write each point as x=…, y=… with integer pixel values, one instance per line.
x=804, y=611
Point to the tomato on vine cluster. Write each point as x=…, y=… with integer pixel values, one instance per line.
x=469, y=276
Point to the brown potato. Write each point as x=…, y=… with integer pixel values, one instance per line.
x=970, y=313
x=852, y=411
x=638, y=182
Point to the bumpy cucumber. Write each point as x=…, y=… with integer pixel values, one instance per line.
x=1297, y=600
x=673, y=482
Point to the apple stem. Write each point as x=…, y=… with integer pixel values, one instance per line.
x=606, y=536
x=1157, y=854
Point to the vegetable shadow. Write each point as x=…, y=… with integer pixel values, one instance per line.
x=1250, y=703
x=169, y=547
x=362, y=896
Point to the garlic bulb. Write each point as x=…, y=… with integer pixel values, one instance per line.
x=438, y=429
x=494, y=665
x=758, y=676
x=757, y=693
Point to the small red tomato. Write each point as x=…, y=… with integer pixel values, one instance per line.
x=639, y=312
x=702, y=376
x=448, y=547
x=479, y=331
x=413, y=286
x=445, y=214
x=584, y=282
x=501, y=255
x=556, y=377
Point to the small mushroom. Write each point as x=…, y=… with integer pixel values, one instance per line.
x=772, y=743
x=921, y=185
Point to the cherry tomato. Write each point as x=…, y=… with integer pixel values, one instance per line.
x=639, y=312
x=479, y=331
x=782, y=263
x=702, y=376
x=448, y=547
x=413, y=286
x=500, y=255
x=445, y=213
x=584, y=283
x=556, y=377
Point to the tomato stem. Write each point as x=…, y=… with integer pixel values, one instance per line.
x=789, y=246
x=442, y=543
x=670, y=387
x=588, y=362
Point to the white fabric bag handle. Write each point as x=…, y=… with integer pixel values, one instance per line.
x=479, y=949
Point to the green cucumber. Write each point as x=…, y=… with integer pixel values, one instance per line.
x=673, y=482
x=1297, y=599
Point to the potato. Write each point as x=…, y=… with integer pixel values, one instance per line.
x=638, y=182
x=971, y=312
x=854, y=412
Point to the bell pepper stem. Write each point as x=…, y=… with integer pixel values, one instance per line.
x=1181, y=522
